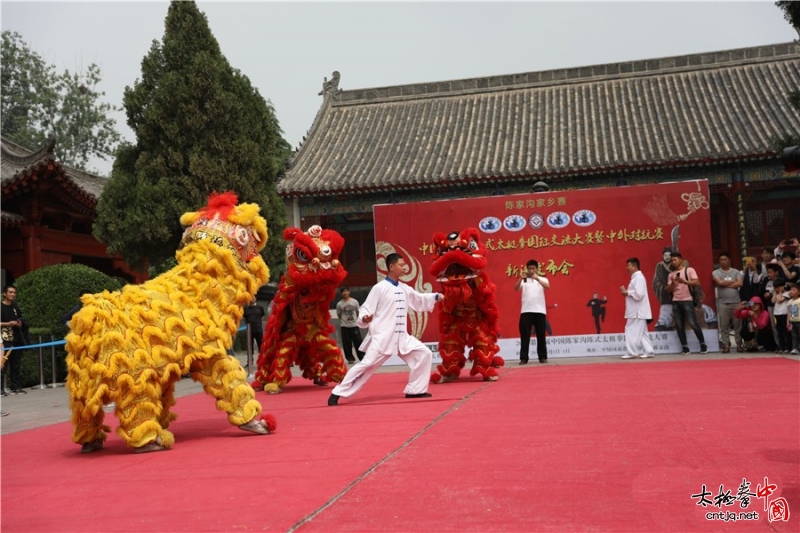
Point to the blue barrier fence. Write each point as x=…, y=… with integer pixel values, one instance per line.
x=53, y=343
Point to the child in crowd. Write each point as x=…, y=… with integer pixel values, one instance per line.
x=794, y=316
x=781, y=308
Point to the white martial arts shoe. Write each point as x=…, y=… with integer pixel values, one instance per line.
x=629, y=356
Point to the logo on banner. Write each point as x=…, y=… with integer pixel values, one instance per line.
x=514, y=223
x=490, y=224
x=557, y=220
x=536, y=221
x=584, y=218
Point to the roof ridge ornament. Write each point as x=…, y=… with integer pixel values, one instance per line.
x=28, y=159
x=331, y=87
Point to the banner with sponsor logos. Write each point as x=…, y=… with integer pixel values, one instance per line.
x=581, y=240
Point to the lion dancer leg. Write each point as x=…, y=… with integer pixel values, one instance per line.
x=273, y=374
x=481, y=358
x=482, y=355
x=328, y=355
x=86, y=402
x=224, y=378
x=451, y=348
x=140, y=410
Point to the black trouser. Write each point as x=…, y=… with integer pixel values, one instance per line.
x=537, y=321
x=763, y=337
x=684, y=311
x=351, y=338
x=12, y=368
x=600, y=314
x=256, y=335
x=784, y=335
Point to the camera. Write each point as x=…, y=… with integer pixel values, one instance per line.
x=749, y=304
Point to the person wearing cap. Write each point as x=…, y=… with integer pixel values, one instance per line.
x=637, y=313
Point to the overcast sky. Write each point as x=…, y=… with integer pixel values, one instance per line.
x=286, y=49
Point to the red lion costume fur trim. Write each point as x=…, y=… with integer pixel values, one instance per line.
x=298, y=330
x=468, y=315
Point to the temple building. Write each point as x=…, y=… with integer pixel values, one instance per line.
x=48, y=209
x=714, y=116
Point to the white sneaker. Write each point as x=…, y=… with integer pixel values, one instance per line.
x=647, y=355
x=795, y=352
x=629, y=356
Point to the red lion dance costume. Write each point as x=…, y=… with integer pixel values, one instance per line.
x=468, y=315
x=298, y=329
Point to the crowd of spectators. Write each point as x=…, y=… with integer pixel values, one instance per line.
x=762, y=319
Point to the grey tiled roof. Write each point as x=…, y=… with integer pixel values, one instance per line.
x=19, y=162
x=675, y=111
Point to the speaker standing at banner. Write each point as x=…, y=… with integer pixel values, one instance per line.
x=533, y=313
x=637, y=313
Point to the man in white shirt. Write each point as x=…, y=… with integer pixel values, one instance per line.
x=533, y=313
x=637, y=313
x=385, y=314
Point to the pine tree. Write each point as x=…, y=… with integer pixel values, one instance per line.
x=200, y=126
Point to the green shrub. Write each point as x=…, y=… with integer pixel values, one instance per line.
x=44, y=296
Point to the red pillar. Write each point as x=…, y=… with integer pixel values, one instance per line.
x=32, y=247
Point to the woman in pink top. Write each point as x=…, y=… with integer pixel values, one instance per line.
x=755, y=319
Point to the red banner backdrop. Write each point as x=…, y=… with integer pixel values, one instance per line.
x=581, y=239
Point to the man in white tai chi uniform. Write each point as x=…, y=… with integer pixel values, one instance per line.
x=637, y=311
x=384, y=313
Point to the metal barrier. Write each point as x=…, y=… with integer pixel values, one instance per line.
x=53, y=343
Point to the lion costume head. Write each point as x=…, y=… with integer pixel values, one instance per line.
x=461, y=256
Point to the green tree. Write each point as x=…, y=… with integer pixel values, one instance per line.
x=44, y=296
x=38, y=103
x=200, y=126
x=791, y=12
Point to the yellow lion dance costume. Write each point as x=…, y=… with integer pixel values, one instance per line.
x=131, y=347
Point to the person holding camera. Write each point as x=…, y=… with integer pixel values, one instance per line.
x=756, y=335
x=680, y=281
x=787, y=245
x=790, y=271
x=533, y=313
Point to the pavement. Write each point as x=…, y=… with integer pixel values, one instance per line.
x=42, y=407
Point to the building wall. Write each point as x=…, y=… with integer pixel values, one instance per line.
x=771, y=207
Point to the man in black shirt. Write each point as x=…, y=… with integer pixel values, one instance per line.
x=253, y=316
x=598, y=310
x=13, y=330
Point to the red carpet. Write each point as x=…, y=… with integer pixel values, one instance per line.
x=601, y=447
